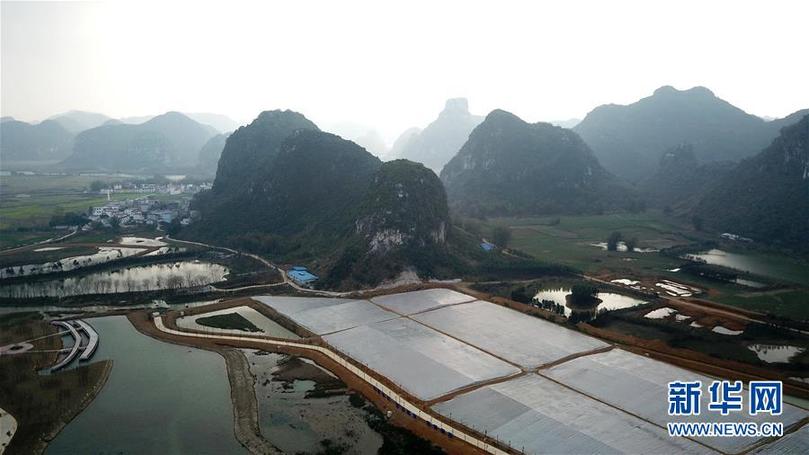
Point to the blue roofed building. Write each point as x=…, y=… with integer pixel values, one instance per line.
x=301, y=275
x=486, y=246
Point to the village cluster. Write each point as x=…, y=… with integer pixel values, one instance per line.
x=148, y=209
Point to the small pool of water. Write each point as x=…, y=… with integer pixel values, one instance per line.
x=609, y=301
x=722, y=330
x=173, y=275
x=660, y=313
x=749, y=283
x=621, y=247
x=773, y=267
x=297, y=424
x=141, y=241
x=775, y=353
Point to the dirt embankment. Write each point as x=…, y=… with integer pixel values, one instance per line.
x=245, y=406
x=451, y=445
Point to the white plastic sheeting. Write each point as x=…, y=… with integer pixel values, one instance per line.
x=324, y=315
x=536, y=415
x=291, y=305
x=639, y=385
x=796, y=443
x=422, y=361
x=519, y=338
x=415, y=302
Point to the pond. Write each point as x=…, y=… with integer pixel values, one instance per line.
x=54, y=311
x=102, y=256
x=160, y=398
x=173, y=275
x=775, y=353
x=622, y=248
x=295, y=421
x=609, y=301
x=769, y=266
x=142, y=241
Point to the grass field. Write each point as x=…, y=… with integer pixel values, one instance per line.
x=29, y=256
x=233, y=321
x=14, y=184
x=13, y=238
x=793, y=304
x=28, y=201
x=37, y=210
x=569, y=242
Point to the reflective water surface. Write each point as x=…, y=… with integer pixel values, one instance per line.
x=173, y=275
x=160, y=398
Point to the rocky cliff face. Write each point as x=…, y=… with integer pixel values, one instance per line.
x=766, y=197
x=316, y=198
x=405, y=205
x=251, y=150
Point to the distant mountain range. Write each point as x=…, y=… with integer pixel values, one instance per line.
x=45, y=141
x=630, y=140
x=167, y=142
x=511, y=167
x=78, y=121
x=221, y=123
x=569, y=123
x=436, y=144
x=766, y=197
x=209, y=154
x=309, y=195
x=363, y=135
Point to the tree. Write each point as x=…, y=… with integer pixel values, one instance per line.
x=583, y=292
x=522, y=295
x=501, y=235
x=97, y=185
x=115, y=224
x=174, y=227
x=612, y=241
x=631, y=244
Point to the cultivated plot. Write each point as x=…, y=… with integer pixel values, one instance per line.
x=536, y=415
x=422, y=361
x=266, y=325
x=519, y=338
x=325, y=315
x=409, y=303
x=639, y=385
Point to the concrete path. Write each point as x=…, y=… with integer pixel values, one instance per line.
x=383, y=389
x=8, y=426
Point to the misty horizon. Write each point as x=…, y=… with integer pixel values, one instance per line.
x=67, y=56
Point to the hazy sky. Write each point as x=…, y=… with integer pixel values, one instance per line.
x=392, y=65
